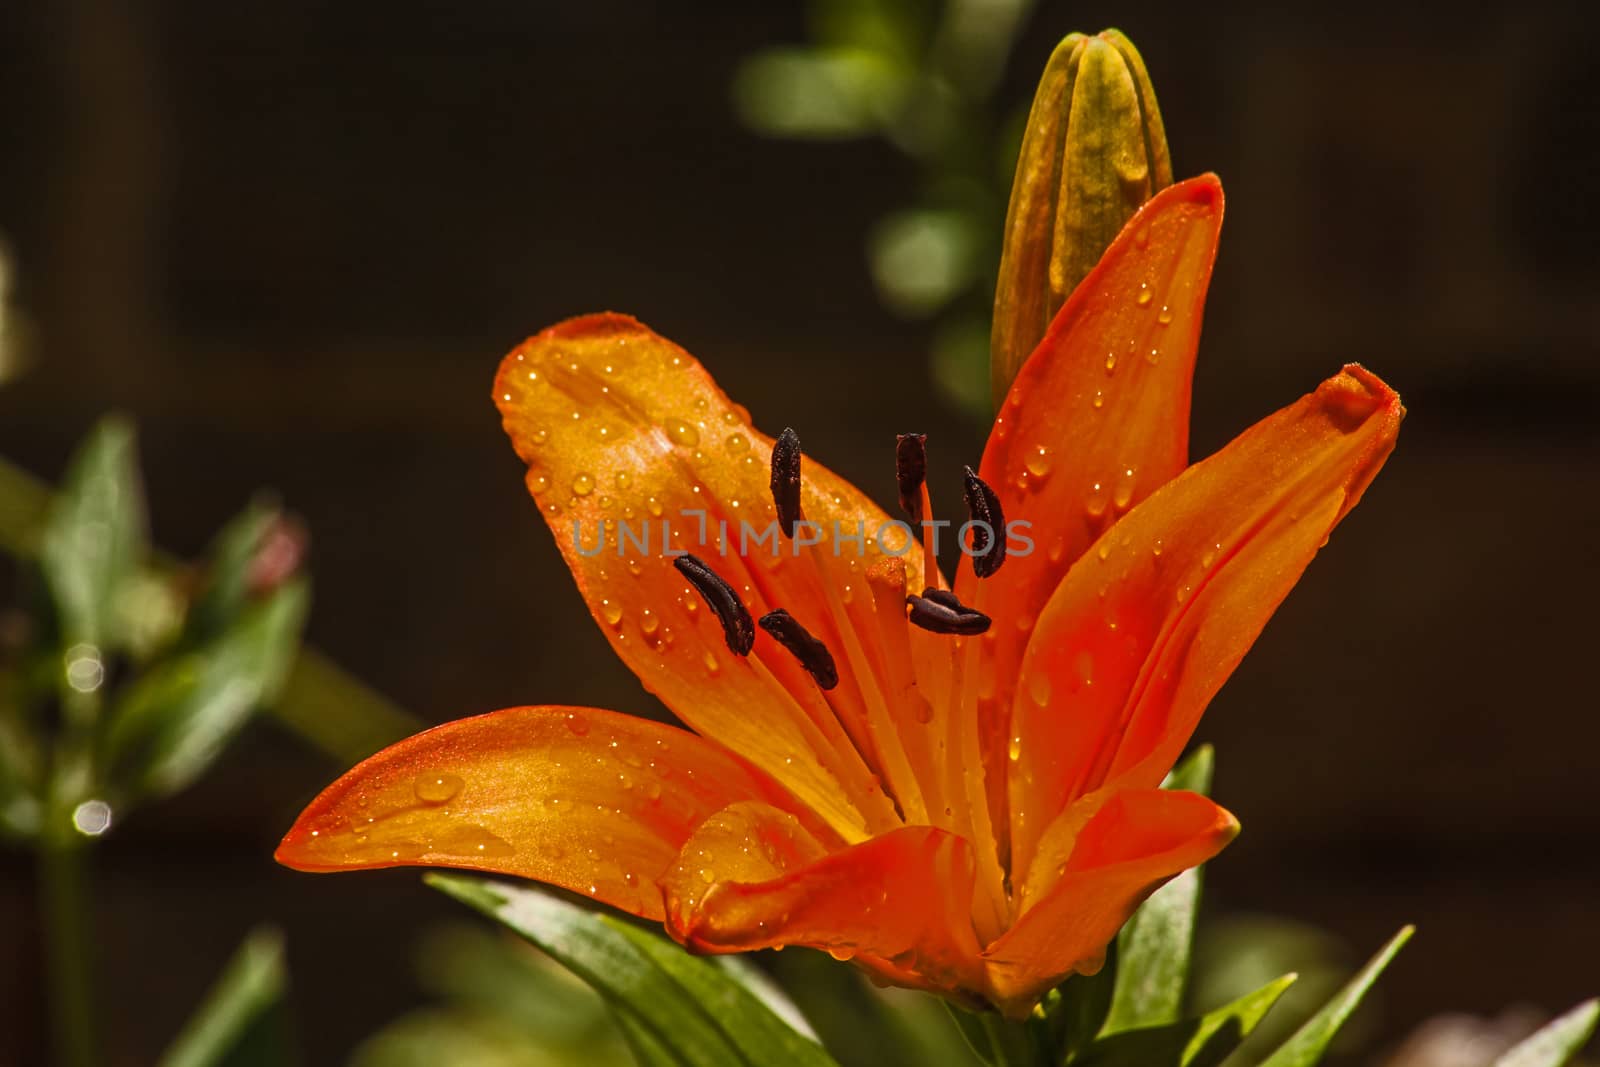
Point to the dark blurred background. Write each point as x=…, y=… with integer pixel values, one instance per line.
x=293, y=240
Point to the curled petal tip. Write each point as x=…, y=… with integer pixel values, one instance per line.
x=1383, y=396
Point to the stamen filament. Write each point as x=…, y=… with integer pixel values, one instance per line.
x=914, y=712
x=856, y=783
x=991, y=906
x=891, y=753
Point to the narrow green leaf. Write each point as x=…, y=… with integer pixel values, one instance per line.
x=749, y=1024
x=694, y=1009
x=767, y=991
x=973, y=1032
x=1557, y=1041
x=1154, y=948
x=1079, y=1015
x=95, y=536
x=648, y=1048
x=1194, y=772
x=175, y=721
x=1311, y=1041
x=227, y=1027
x=862, y=1025
x=1202, y=1042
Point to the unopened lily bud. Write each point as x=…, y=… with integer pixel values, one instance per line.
x=1094, y=151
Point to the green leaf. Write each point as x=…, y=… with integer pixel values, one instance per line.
x=692, y=1008
x=923, y=257
x=1195, y=772
x=1311, y=1041
x=1154, y=947
x=648, y=1048
x=236, y=1024
x=1202, y=1042
x=1077, y=1014
x=862, y=1025
x=95, y=537
x=227, y=577
x=176, y=719
x=1556, y=1042
x=822, y=94
x=750, y=1024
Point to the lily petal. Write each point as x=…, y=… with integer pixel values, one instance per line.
x=901, y=897
x=1147, y=626
x=1133, y=843
x=619, y=425
x=1097, y=419
x=588, y=800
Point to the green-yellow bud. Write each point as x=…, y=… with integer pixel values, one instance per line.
x=1093, y=153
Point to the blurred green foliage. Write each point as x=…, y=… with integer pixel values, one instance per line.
x=924, y=78
x=123, y=679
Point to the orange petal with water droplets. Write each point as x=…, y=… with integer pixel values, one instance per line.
x=1136, y=841
x=1147, y=626
x=1097, y=419
x=751, y=878
x=588, y=800
x=619, y=425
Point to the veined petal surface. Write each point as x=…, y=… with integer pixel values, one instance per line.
x=751, y=878
x=1125, y=851
x=1147, y=626
x=620, y=426
x=589, y=800
x=1097, y=419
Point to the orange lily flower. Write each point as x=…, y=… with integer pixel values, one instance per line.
x=963, y=798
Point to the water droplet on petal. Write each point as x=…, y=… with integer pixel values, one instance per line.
x=1038, y=461
x=1165, y=315
x=470, y=841
x=437, y=788
x=683, y=432
x=1099, y=400
x=737, y=442
x=1122, y=495
x=577, y=724
x=1014, y=749
x=624, y=479
x=1209, y=556
x=713, y=665
x=1083, y=670
x=582, y=484
x=1095, y=503
x=611, y=612
x=1111, y=362
x=1145, y=295
x=1039, y=689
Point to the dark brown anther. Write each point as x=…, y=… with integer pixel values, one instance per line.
x=812, y=653
x=786, y=481
x=988, y=545
x=910, y=471
x=938, y=611
x=719, y=596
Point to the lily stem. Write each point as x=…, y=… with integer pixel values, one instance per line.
x=64, y=914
